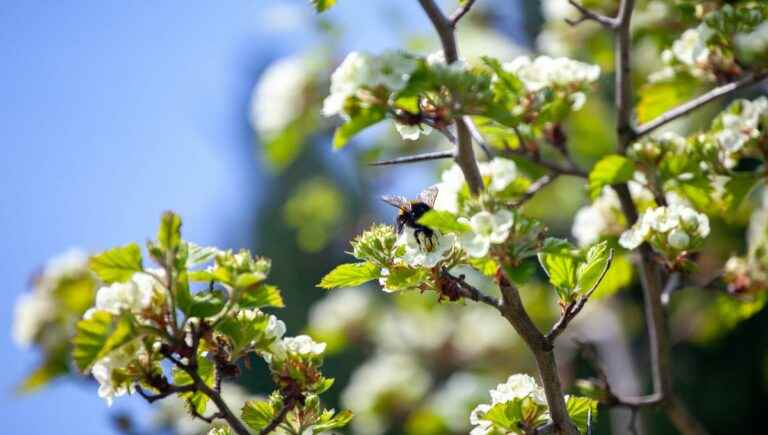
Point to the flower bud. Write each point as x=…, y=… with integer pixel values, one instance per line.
x=678, y=239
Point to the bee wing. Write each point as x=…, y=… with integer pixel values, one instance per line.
x=397, y=201
x=428, y=196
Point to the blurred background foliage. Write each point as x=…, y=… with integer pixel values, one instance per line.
x=407, y=364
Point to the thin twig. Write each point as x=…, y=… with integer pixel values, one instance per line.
x=468, y=291
x=460, y=12
x=208, y=420
x=437, y=155
x=172, y=389
x=587, y=14
x=623, y=85
x=574, y=308
x=534, y=188
x=279, y=418
x=697, y=102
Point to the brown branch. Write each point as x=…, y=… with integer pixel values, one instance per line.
x=511, y=307
x=468, y=291
x=171, y=389
x=588, y=15
x=465, y=156
x=656, y=321
x=623, y=64
x=437, y=155
x=460, y=12
x=699, y=101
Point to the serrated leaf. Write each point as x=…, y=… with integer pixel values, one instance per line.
x=592, y=271
x=207, y=372
x=611, y=169
x=329, y=421
x=362, y=120
x=323, y=5
x=560, y=265
x=581, y=409
x=117, y=264
x=443, y=221
x=205, y=304
x=98, y=336
x=257, y=414
x=198, y=255
x=169, y=232
x=350, y=275
x=261, y=296
x=404, y=278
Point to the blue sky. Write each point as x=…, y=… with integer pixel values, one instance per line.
x=110, y=113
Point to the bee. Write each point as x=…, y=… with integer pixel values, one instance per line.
x=410, y=213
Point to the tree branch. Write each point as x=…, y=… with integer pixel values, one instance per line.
x=465, y=156
x=699, y=101
x=172, y=389
x=511, y=307
x=437, y=155
x=623, y=65
x=460, y=12
x=587, y=15
x=658, y=335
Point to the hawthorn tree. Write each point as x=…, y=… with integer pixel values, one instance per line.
x=182, y=327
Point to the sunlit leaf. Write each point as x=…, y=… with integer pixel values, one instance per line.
x=350, y=275
x=117, y=264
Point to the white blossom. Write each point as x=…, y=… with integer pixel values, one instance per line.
x=302, y=345
x=412, y=132
x=691, y=49
x=678, y=224
x=503, y=172
x=486, y=228
x=738, y=129
x=361, y=70
x=279, y=95
x=398, y=378
x=420, y=252
x=546, y=71
x=133, y=295
x=518, y=386
x=339, y=310
x=31, y=312
x=102, y=371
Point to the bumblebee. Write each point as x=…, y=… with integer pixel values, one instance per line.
x=410, y=213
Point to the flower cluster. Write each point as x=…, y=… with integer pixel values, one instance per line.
x=45, y=316
x=367, y=79
x=557, y=73
x=519, y=390
x=670, y=230
x=740, y=129
x=143, y=317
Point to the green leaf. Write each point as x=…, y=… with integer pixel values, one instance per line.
x=560, y=264
x=98, y=336
x=581, y=409
x=330, y=421
x=657, y=98
x=737, y=188
x=169, y=232
x=521, y=273
x=443, y=221
x=257, y=414
x=350, y=275
x=205, y=304
x=117, y=264
x=198, y=255
x=197, y=400
x=261, y=296
x=619, y=276
x=611, y=169
x=362, y=120
x=323, y=5
x=485, y=265
x=591, y=272
x=404, y=278
x=54, y=366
